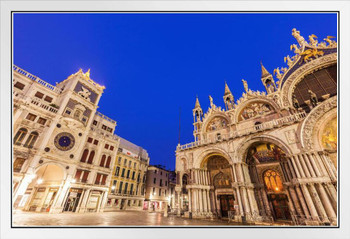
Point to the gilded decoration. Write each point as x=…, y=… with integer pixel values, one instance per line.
x=254, y=109
x=273, y=181
x=222, y=180
x=217, y=123
x=329, y=135
x=311, y=120
x=265, y=152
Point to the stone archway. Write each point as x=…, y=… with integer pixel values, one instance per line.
x=264, y=161
x=220, y=178
x=45, y=187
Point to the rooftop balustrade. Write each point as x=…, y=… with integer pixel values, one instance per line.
x=242, y=132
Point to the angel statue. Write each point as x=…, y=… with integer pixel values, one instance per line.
x=288, y=60
x=245, y=84
x=312, y=41
x=296, y=49
x=295, y=102
x=211, y=101
x=330, y=42
x=277, y=73
x=296, y=35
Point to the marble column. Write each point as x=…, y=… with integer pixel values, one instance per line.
x=313, y=160
x=252, y=202
x=290, y=168
x=309, y=165
x=326, y=203
x=333, y=194
x=321, y=164
x=294, y=198
x=199, y=192
x=292, y=158
x=309, y=202
x=306, y=170
x=190, y=199
x=266, y=202
x=239, y=198
x=261, y=203
x=301, y=169
x=318, y=203
x=208, y=200
x=329, y=166
x=245, y=201
x=195, y=200
x=302, y=202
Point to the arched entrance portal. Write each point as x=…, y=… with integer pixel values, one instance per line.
x=45, y=187
x=220, y=174
x=266, y=174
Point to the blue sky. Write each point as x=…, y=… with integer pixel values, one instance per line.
x=154, y=64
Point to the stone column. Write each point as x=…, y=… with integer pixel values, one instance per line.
x=101, y=205
x=261, y=203
x=327, y=203
x=333, y=194
x=305, y=169
x=329, y=165
x=295, y=200
x=266, y=202
x=208, y=200
x=178, y=203
x=301, y=169
x=252, y=201
x=290, y=202
x=312, y=158
x=310, y=167
x=239, y=198
x=245, y=201
x=205, y=204
x=84, y=200
x=292, y=158
x=290, y=167
x=318, y=203
x=302, y=202
x=190, y=200
x=321, y=164
x=309, y=202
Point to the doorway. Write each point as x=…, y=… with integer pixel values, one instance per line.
x=72, y=200
x=280, y=206
x=226, y=204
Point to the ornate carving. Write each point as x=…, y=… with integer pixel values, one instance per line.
x=298, y=37
x=311, y=120
x=255, y=109
x=291, y=137
x=245, y=84
x=297, y=75
x=217, y=123
x=309, y=54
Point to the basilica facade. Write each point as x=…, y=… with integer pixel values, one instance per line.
x=269, y=156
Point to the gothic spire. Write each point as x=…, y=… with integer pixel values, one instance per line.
x=227, y=90
x=264, y=72
x=197, y=105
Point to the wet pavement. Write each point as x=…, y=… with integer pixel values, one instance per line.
x=105, y=219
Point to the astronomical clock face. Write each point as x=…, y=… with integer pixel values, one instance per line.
x=64, y=141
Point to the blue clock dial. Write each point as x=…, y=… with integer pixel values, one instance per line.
x=64, y=141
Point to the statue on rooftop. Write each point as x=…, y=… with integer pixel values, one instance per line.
x=313, y=98
x=245, y=84
x=296, y=35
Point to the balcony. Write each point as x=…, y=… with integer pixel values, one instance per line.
x=276, y=123
x=36, y=79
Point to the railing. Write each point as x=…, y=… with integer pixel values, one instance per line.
x=253, y=129
x=36, y=79
x=105, y=117
x=38, y=102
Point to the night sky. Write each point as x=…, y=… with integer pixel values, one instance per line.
x=154, y=64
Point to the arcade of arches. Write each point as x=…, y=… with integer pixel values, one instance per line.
x=261, y=188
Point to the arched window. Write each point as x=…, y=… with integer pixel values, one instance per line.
x=17, y=165
x=103, y=159
x=31, y=139
x=108, y=161
x=91, y=157
x=84, y=156
x=273, y=181
x=21, y=133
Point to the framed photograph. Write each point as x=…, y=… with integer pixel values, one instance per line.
x=169, y=119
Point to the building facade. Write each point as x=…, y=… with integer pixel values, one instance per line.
x=63, y=149
x=127, y=188
x=271, y=156
x=157, y=189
